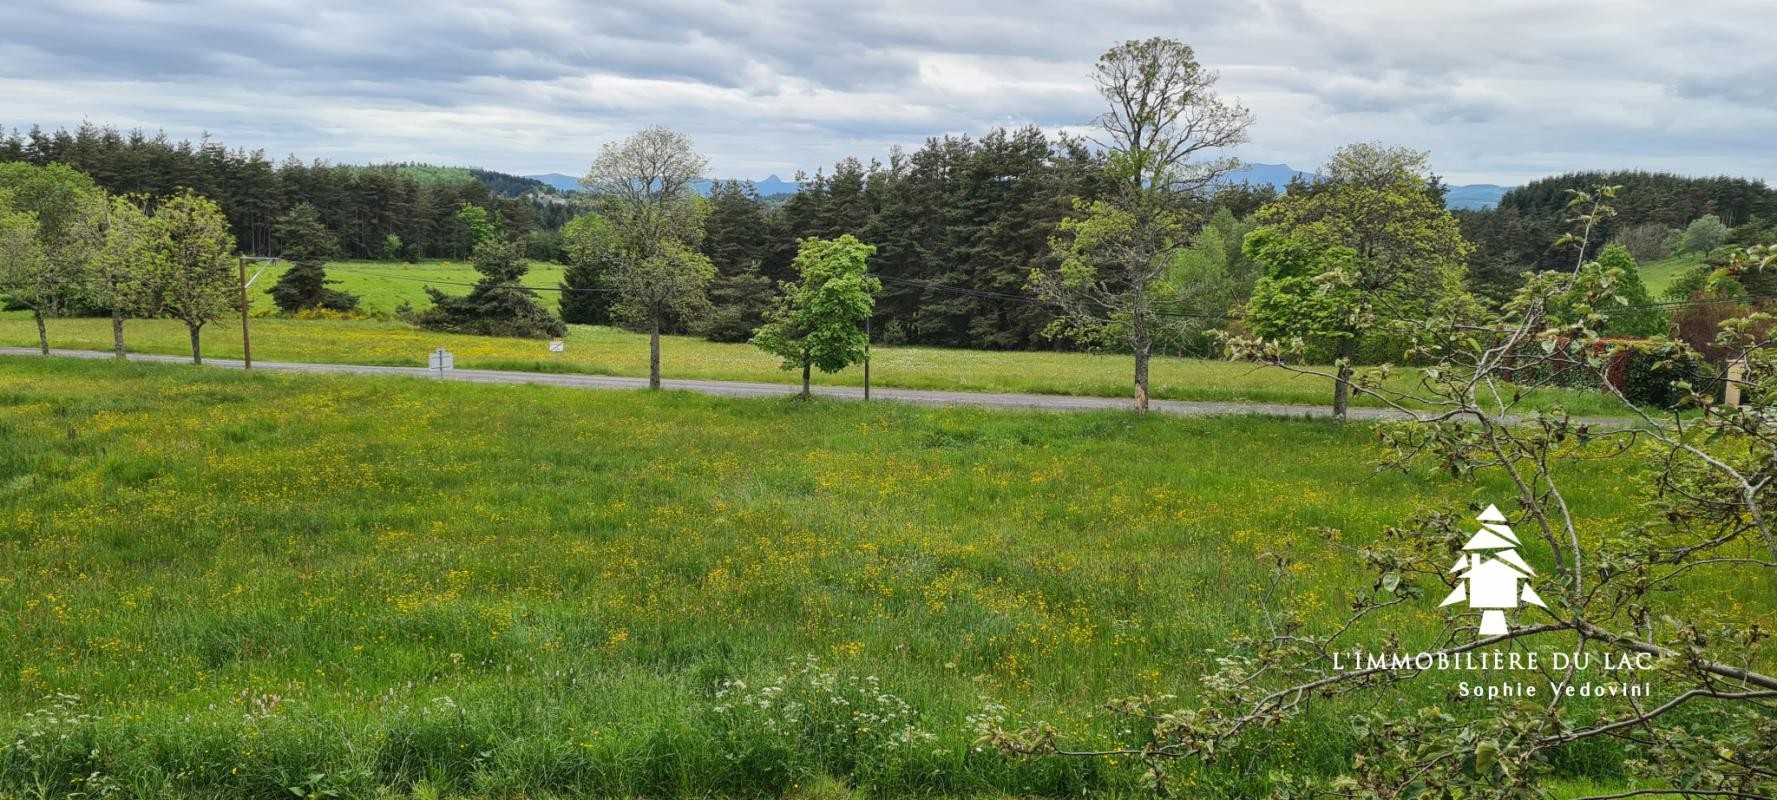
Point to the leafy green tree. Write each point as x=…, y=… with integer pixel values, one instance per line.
x=1704, y=234
x=499, y=304
x=199, y=281
x=24, y=266
x=1369, y=242
x=670, y=284
x=130, y=265
x=477, y=226
x=1115, y=254
x=586, y=289
x=1212, y=277
x=819, y=320
x=392, y=247
x=307, y=245
x=68, y=210
x=644, y=188
x=1631, y=314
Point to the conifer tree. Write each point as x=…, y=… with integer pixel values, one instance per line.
x=307, y=245
x=499, y=305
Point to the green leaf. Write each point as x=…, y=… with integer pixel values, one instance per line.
x=1486, y=754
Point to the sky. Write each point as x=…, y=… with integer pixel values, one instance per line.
x=1500, y=91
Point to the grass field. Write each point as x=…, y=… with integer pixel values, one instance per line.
x=382, y=286
x=259, y=583
x=1658, y=275
x=609, y=351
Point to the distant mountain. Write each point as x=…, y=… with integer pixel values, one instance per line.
x=1470, y=196
x=772, y=186
x=766, y=188
x=562, y=183
x=1278, y=175
x=1475, y=195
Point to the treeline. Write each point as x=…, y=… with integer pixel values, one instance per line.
x=373, y=212
x=1520, y=234
x=958, y=226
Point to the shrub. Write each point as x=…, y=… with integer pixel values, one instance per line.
x=1649, y=375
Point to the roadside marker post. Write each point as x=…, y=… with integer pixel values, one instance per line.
x=442, y=360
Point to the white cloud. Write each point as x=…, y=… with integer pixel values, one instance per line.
x=1500, y=91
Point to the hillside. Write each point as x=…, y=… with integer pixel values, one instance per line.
x=499, y=184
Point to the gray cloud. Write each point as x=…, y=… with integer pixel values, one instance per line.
x=1501, y=91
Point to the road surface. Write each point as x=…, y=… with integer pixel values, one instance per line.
x=1051, y=402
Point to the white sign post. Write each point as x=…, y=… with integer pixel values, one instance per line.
x=442, y=360
x=556, y=345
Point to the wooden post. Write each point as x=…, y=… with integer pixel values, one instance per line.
x=1731, y=390
x=867, y=355
x=246, y=336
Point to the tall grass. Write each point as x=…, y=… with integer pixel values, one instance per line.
x=227, y=585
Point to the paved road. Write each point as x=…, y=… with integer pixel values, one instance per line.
x=742, y=389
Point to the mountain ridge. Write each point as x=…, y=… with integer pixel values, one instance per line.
x=1467, y=196
x=770, y=186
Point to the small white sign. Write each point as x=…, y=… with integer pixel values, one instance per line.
x=443, y=359
x=556, y=346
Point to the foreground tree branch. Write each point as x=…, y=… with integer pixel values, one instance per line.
x=1692, y=711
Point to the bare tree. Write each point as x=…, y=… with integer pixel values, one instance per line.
x=644, y=183
x=1163, y=115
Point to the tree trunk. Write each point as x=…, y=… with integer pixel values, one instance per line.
x=1143, y=347
x=42, y=332
x=805, y=360
x=117, y=332
x=1342, y=386
x=654, y=354
x=197, y=353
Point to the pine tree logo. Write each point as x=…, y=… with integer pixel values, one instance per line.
x=1489, y=573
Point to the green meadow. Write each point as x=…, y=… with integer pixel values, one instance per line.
x=383, y=286
x=1658, y=275
x=599, y=350
x=216, y=584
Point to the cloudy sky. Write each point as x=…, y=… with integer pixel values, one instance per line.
x=1498, y=91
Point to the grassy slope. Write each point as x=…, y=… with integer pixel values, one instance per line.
x=382, y=286
x=607, y=351
x=251, y=579
x=1660, y=274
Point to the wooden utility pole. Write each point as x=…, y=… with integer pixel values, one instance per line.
x=246, y=335
x=867, y=355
